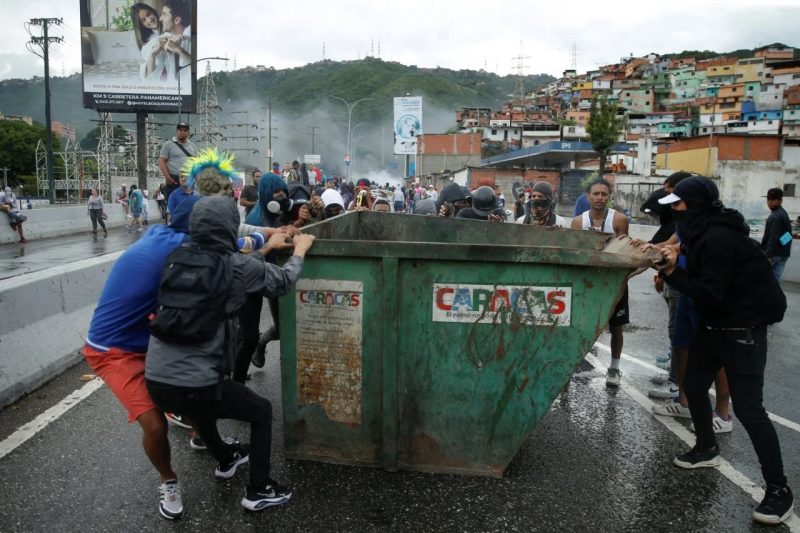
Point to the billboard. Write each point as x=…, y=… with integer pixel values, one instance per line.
x=139, y=57
x=407, y=124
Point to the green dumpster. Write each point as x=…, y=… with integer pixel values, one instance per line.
x=432, y=344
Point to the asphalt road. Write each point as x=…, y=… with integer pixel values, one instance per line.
x=598, y=461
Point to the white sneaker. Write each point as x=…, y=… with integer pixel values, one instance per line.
x=673, y=408
x=170, y=504
x=720, y=424
x=613, y=377
x=664, y=393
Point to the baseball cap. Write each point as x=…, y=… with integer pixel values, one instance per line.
x=182, y=125
x=775, y=194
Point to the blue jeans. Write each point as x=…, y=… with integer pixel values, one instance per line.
x=778, y=264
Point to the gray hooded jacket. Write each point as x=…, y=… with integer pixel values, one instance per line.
x=213, y=226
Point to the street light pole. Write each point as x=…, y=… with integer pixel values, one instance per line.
x=349, y=107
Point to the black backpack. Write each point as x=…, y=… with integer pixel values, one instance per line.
x=192, y=293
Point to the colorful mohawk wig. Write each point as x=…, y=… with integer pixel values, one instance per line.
x=210, y=158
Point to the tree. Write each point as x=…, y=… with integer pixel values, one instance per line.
x=91, y=139
x=18, y=149
x=604, y=128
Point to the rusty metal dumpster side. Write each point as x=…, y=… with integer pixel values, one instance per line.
x=438, y=354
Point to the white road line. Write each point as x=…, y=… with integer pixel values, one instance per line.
x=26, y=431
x=726, y=469
x=772, y=416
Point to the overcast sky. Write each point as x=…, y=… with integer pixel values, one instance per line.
x=455, y=34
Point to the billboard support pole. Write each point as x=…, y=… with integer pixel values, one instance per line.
x=141, y=149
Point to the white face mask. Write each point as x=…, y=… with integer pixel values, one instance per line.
x=274, y=206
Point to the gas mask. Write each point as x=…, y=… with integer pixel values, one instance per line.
x=278, y=205
x=540, y=208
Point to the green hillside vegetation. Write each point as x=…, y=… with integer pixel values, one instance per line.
x=296, y=90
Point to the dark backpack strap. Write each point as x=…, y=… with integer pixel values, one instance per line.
x=179, y=145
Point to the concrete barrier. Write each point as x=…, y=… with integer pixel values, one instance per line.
x=64, y=220
x=46, y=316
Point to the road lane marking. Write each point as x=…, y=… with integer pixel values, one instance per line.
x=725, y=468
x=772, y=416
x=26, y=431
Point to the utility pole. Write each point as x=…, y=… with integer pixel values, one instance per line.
x=269, y=134
x=43, y=42
x=313, y=136
x=5, y=176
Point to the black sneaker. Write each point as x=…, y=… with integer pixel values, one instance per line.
x=260, y=355
x=776, y=507
x=196, y=442
x=697, y=458
x=241, y=456
x=272, y=494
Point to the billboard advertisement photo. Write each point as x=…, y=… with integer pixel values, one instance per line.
x=407, y=124
x=139, y=56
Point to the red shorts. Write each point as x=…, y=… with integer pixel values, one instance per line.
x=123, y=372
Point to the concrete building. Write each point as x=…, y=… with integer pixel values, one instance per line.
x=746, y=166
x=438, y=152
x=64, y=130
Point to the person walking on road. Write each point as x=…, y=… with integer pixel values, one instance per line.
x=8, y=204
x=602, y=218
x=777, y=241
x=96, y=212
x=737, y=297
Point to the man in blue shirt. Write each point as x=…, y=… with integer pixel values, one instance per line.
x=178, y=196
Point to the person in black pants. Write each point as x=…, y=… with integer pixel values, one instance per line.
x=737, y=297
x=191, y=377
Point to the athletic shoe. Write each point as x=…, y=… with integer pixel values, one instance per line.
x=663, y=365
x=720, y=424
x=272, y=494
x=240, y=457
x=697, y=458
x=664, y=359
x=260, y=355
x=177, y=420
x=776, y=507
x=196, y=442
x=673, y=408
x=613, y=377
x=659, y=379
x=664, y=393
x=169, y=500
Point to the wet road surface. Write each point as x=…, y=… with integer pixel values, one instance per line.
x=598, y=461
x=16, y=259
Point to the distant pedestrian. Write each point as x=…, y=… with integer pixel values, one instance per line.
x=145, y=207
x=136, y=206
x=8, y=204
x=777, y=240
x=249, y=197
x=121, y=197
x=399, y=200
x=96, y=212
x=161, y=200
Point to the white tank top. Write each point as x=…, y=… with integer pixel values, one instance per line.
x=608, y=223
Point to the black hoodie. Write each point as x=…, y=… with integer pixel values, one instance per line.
x=451, y=193
x=214, y=223
x=728, y=276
